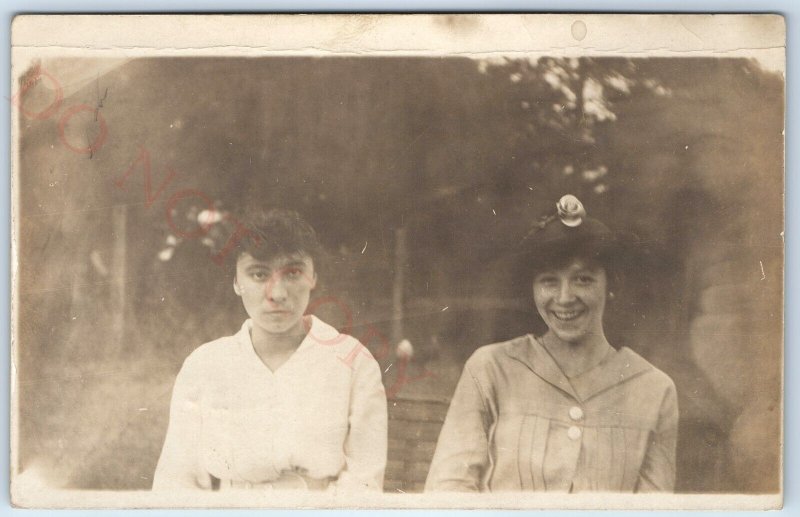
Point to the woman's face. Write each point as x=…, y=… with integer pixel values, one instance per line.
x=275, y=293
x=571, y=300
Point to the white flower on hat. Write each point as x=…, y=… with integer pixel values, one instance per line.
x=570, y=210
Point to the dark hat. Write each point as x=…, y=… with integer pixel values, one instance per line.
x=567, y=231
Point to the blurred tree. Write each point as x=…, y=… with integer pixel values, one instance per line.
x=562, y=110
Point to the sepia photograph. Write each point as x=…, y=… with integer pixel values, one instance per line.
x=398, y=261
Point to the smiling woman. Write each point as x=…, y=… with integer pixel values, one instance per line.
x=571, y=299
x=562, y=411
x=274, y=406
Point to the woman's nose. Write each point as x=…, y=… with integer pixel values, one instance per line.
x=276, y=290
x=565, y=294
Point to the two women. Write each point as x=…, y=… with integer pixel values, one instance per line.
x=562, y=411
x=274, y=406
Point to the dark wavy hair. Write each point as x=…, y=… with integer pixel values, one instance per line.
x=277, y=232
x=611, y=258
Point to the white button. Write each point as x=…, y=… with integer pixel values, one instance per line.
x=574, y=433
x=575, y=413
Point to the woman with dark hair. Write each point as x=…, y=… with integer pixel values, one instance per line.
x=561, y=411
x=276, y=405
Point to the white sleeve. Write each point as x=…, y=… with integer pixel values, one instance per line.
x=179, y=464
x=365, y=447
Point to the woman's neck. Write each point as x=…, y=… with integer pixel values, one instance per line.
x=272, y=344
x=579, y=357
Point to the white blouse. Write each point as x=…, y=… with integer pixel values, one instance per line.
x=322, y=413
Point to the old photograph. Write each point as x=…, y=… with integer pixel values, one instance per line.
x=398, y=261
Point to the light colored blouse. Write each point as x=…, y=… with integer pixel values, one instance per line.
x=516, y=422
x=322, y=413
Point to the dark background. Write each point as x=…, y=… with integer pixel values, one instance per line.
x=419, y=174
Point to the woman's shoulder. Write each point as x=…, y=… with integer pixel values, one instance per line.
x=650, y=373
x=329, y=341
x=211, y=353
x=495, y=352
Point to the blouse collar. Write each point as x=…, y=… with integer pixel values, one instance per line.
x=319, y=333
x=617, y=368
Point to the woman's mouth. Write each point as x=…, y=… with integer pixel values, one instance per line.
x=567, y=315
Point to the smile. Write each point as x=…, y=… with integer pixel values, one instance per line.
x=567, y=315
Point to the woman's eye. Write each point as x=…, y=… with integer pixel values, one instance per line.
x=259, y=275
x=585, y=280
